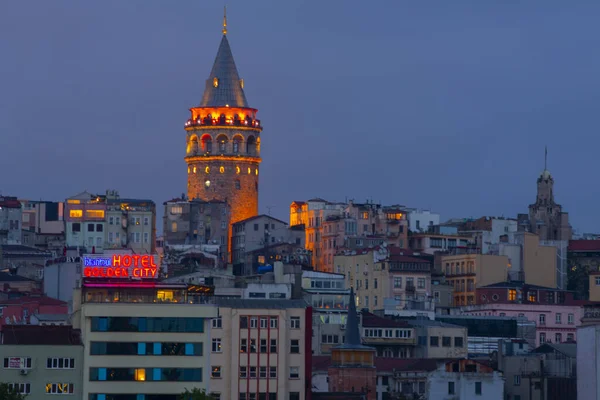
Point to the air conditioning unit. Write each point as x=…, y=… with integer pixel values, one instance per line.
x=24, y=372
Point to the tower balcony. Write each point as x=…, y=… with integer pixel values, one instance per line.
x=224, y=122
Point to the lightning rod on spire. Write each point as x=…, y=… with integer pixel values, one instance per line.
x=224, y=20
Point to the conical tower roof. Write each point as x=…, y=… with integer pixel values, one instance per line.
x=224, y=86
x=352, y=328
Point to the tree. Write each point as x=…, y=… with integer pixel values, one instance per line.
x=6, y=393
x=194, y=394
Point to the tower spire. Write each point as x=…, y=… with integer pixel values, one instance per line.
x=224, y=20
x=546, y=159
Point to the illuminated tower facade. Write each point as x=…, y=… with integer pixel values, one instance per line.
x=223, y=141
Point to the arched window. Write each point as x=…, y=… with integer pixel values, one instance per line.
x=174, y=227
x=207, y=143
x=222, y=141
x=194, y=145
x=251, y=145
x=237, y=142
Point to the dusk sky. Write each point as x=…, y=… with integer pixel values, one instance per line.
x=444, y=105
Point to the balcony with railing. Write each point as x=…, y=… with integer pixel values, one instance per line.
x=223, y=121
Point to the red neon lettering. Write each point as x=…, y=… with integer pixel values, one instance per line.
x=116, y=261
x=152, y=264
x=136, y=260
x=144, y=261
x=127, y=261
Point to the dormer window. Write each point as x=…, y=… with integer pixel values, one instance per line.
x=216, y=82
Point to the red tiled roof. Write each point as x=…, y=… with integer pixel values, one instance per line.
x=373, y=321
x=41, y=335
x=41, y=300
x=584, y=245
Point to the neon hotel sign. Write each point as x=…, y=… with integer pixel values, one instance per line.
x=120, y=266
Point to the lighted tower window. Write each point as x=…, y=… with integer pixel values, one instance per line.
x=256, y=171
x=249, y=170
x=215, y=82
x=242, y=83
x=222, y=169
x=207, y=183
x=188, y=170
x=194, y=169
x=207, y=169
x=237, y=170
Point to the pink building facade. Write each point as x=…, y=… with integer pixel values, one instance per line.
x=555, y=323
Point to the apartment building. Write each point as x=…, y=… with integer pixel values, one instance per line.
x=467, y=271
x=385, y=274
x=260, y=232
x=197, y=222
x=261, y=349
x=333, y=226
x=131, y=223
x=10, y=220
x=42, y=360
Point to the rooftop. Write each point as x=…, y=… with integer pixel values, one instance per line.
x=260, y=216
x=584, y=245
x=373, y=321
x=260, y=304
x=41, y=300
x=55, y=335
x=6, y=277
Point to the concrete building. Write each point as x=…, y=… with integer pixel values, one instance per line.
x=261, y=231
x=432, y=243
x=489, y=231
x=391, y=338
x=42, y=360
x=330, y=227
x=131, y=223
x=383, y=274
x=260, y=349
x=546, y=217
x=43, y=217
x=420, y=221
x=437, y=339
x=10, y=220
x=62, y=275
x=223, y=141
x=588, y=354
x=328, y=296
x=465, y=380
x=546, y=373
x=25, y=261
x=85, y=222
x=197, y=222
x=144, y=338
x=583, y=260
x=465, y=272
x=555, y=322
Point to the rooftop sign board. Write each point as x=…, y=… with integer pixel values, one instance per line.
x=120, y=266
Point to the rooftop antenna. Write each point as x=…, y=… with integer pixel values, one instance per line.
x=546, y=159
x=269, y=210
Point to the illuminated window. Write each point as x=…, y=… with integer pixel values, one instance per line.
x=194, y=169
x=242, y=83
x=207, y=170
x=364, y=215
x=75, y=213
x=215, y=82
x=140, y=374
x=74, y=201
x=59, y=388
x=249, y=170
x=237, y=170
x=207, y=183
x=174, y=227
x=222, y=169
x=164, y=295
x=256, y=171
x=176, y=210
x=94, y=213
x=188, y=170
x=261, y=259
x=512, y=295
x=215, y=372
